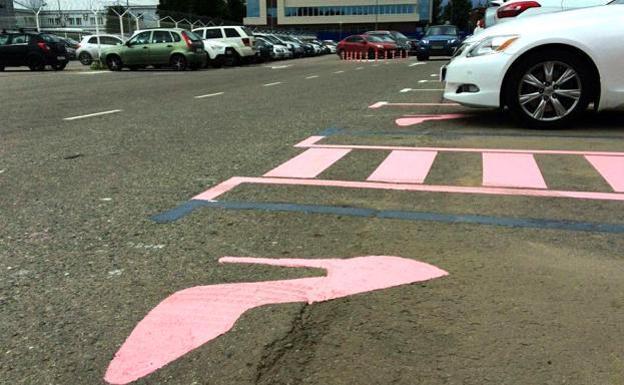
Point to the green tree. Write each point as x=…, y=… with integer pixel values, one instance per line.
x=112, y=18
x=436, y=11
x=236, y=10
x=457, y=12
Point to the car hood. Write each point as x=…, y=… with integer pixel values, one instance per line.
x=543, y=25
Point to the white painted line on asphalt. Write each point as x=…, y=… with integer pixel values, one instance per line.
x=359, y=68
x=375, y=65
x=272, y=84
x=209, y=95
x=280, y=67
x=339, y=72
x=416, y=64
x=92, y=115
x=92, y=72
x=434, y=75
x=428, y=81
x=312, y=77
x=404, y=90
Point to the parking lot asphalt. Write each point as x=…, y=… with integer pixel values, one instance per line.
x=101, y=181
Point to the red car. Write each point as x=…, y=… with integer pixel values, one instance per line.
x=365, y=43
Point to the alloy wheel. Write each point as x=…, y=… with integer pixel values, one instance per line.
x=549, y=91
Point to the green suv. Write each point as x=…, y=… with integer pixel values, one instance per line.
x=177, y=48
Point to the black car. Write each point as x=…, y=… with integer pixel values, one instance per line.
x=71, y=46
x=264, y=50
x=33, y=50
x=440, y=40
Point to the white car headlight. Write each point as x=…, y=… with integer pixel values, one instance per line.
x=425, y=41
x=493, y=44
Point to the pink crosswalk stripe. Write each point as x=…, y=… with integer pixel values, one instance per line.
x=308, y=164
x=511, y=170
x=404, y=167
x=611, y=168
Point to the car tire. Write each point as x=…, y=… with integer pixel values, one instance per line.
x=1, y=67
x=340, y=53
x=85, y=58
x=114, y=63
x=36, y=63
x=548, y=89
x=59, y=66
x=178, y=62
x=371, y=54
x=232, y=59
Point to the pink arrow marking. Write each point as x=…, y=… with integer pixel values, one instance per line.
x=192, y=317
x=412, y=120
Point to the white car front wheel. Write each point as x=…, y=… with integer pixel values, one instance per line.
x=546, y=90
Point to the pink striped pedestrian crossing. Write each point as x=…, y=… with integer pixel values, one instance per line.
x=611, y=168
x=511, y=170
x=308, y=164
x=404, y=167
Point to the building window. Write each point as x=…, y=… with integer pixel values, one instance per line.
x=253, y=8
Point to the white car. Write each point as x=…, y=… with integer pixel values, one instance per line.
x=218, y=52
x=546, y=69
x=238, y=39
x=501, y=11
x=88, y=48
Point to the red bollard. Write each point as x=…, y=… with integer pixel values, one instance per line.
x=376, y=55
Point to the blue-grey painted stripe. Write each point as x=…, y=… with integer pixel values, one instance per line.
x=531, y=223
x=178, y=212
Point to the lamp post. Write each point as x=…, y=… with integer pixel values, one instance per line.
x=376, y=14
x=121, y=26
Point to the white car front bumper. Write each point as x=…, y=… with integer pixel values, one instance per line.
x=485, y=72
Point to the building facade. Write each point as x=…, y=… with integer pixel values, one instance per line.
x=7, y=14
x=75, y=16
x=347, y=14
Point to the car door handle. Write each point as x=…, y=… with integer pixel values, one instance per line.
x=169, y=46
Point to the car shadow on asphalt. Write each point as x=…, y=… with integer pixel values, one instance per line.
x=604, y=123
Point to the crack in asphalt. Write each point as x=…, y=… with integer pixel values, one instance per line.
x=275, y=353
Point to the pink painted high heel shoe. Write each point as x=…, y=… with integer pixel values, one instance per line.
x=192, y=317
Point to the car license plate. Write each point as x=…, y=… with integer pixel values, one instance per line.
x=437, y=47
x=60, y=58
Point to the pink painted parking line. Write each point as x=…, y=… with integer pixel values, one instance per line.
x=308, y=164
x=611, y=168
x=312, y=142
x=511, y=170
x=216, y=191
x=404, y=167
x=195, y=316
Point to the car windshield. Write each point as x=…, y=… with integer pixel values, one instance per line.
x=50, y=38
x=441, y=30
x=193, y=36
x=374, y=39
x=399, y=36
x=383, y=37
